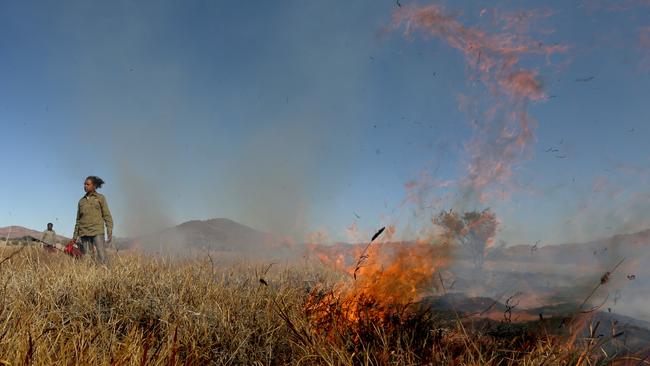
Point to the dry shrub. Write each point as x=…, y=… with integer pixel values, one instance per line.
x=56, y=310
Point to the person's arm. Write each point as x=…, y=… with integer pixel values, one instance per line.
x=43, y=236
x=108, y=219
x=75, y=236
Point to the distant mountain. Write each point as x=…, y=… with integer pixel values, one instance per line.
x=20, y=233
x=219, y=234
x=214, y=235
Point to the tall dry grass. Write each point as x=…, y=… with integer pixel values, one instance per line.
x=144, y=310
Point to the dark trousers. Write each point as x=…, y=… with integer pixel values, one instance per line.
x=94, y=245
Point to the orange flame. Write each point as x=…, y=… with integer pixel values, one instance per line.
x=393, y=275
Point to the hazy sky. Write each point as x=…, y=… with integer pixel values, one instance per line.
x=298, y=116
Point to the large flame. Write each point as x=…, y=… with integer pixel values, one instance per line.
x=384, y=278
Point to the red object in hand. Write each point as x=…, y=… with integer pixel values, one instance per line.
x=72, y=249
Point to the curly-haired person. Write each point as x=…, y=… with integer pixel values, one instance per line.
x=92, y=215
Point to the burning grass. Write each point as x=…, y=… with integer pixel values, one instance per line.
x=55, y=310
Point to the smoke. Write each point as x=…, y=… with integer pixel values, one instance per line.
x=503, y=135
x=502, y=89
x=503, y=127
x=145, y=210
x=196, y=135
x=271, y=175
x=644, y=48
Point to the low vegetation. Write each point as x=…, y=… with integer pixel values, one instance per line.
x=163, y=311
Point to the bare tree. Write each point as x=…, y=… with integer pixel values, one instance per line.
x=474, y=230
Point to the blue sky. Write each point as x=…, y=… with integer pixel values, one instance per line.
x=292, y=116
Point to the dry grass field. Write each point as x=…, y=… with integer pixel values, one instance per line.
x=55, y=310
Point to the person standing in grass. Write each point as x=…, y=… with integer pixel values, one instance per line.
x=92, y=216
x=49, y=236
